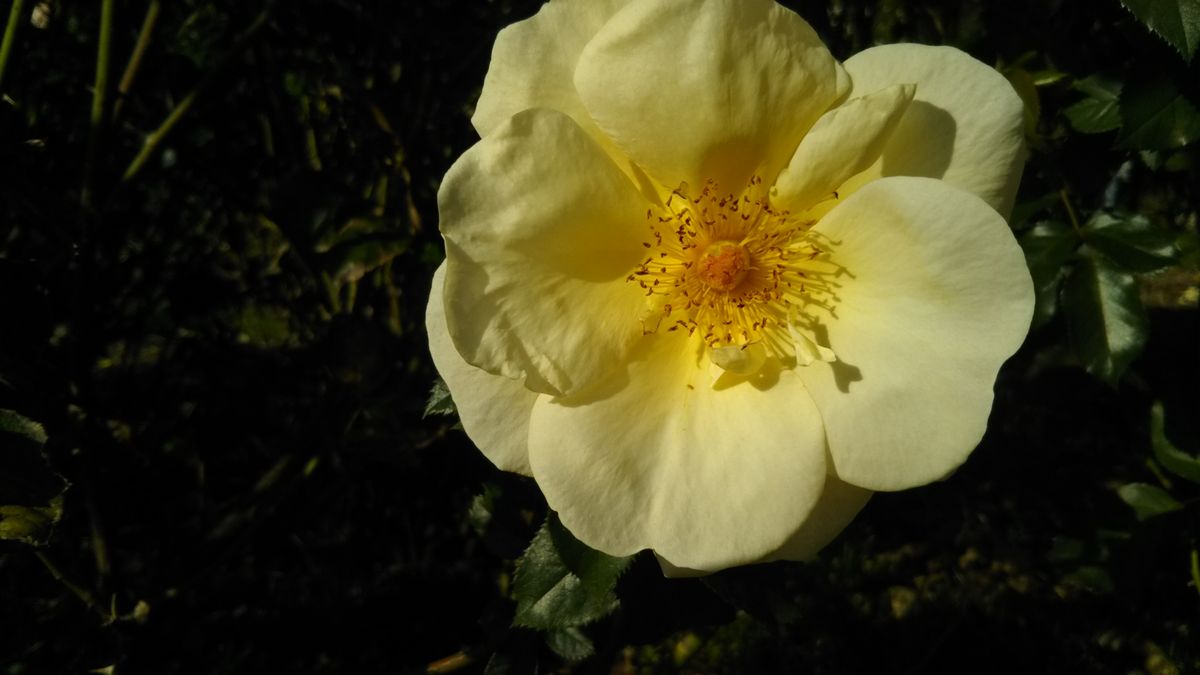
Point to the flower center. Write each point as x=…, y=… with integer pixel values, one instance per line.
x=735, y=271
x=723, y=265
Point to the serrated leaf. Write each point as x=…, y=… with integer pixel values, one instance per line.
x=1175, y=21
x=31, y=498
x=561, y=583
x=570, y=643
x=1147, y=500
x=1157, y=116
x=1048, y=246
x=1133, y=242
x=440, y=402
x=1172, y=458
x=1100, y=111
x=1105, y=317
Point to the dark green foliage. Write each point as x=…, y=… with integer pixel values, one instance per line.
x=1158, y=114
x=1147, y=500
x=1105, y=316
x=1172, y=458
x=561, y=584
x=31, y=495
x=1176, y=21
x=1100, y=111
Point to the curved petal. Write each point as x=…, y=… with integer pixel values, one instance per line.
x=541, y=230
x=533, y=65
x=494, y=410
x=964, y=125
x=845, y=141
x=707, y=89
x=709, y=477
x=935, y=296
x=840, y=502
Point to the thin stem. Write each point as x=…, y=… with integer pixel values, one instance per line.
x=1066, y=200
x=1196, y=569
x=139, y=51
x=10, y=36
x=450, y=664
x=79, y=592
x=156, y=137
x=99, y=100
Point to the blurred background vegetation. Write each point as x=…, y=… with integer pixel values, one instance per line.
x=217, y=230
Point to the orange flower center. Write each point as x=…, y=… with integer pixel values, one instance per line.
x=723, y=265
x=731, y=269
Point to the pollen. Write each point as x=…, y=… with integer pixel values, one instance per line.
x=723, y=265
x=732, y=269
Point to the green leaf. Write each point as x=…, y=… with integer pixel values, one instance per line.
x=1147, y=500
x=1175, y=21
x=561, y=583
x=31, y=495
x=570, y=643
x=1172, y=458
x=1048, y=246
x=1157, y=116
x=1133, y=242
x=1022, y=82
x=1027, y=209
x=1105, y=317
x=1100, y=111
x=440, y=402
x=1091, y=578
x=359, y=246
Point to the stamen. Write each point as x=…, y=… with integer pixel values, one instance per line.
x=733, y=268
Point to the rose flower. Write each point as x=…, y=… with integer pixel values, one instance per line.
x=711, y=288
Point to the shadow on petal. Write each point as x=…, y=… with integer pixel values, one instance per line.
x=927, y=121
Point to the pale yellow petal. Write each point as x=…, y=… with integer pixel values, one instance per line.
x=541, y=230
x=655, y=457
x=845, y=141
x=935, y=295
x=533, y=63
x=694, y=90
x=840, y=502
x=964, y=125
x=494, y=410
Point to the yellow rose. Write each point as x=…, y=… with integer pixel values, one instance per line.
x=711, y=288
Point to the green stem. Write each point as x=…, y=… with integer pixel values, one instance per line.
x=1066, y=200
x=79, y=592
x=1196, y=569
x=10, y=36
x=99, y=99
x=139, y=51
x=156, y=137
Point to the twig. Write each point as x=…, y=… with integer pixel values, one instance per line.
x=156, y=137
x=99, y=96
x=450, y=664
x=1066, y=200
x=1196, y=569
x=139, y=51
x=10, y=36
x=79, y=592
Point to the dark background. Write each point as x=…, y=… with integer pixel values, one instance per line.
x=227, y=353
